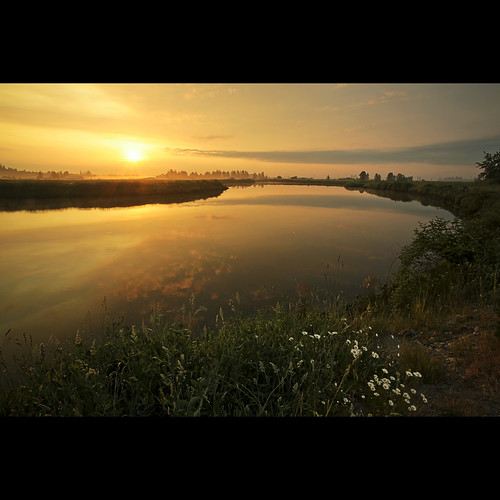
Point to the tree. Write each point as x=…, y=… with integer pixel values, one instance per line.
x=378, y=177
x=363, y=176
x=390, y=177
x=490, y=166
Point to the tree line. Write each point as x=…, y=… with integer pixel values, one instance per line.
x=215, y=174
x=490, y=170
x=364, y=176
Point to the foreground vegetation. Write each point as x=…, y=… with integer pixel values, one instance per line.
x=313, y=357
x=280, y=362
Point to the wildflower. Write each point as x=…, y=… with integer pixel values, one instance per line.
x=409, y=373
x=371, y=385
x=417, y=374
x=374, y=354
x=355, y=352
x=406, y=395
x=424, y=399
x=385, y=385
x=304, y=332
x=412, y=408
x=413, y=391
x=333, y=333
x=385, y=370
x=317, y=336
x=390, y=402
x=290, y=338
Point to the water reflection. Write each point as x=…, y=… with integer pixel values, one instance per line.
x=261, y=242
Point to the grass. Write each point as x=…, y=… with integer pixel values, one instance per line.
x=279, y=362
x=466, y=199
x=47, y=194
x=310, y=358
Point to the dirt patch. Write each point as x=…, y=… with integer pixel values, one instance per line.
x=467, y=350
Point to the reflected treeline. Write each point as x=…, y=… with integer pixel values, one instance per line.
x=34, y=195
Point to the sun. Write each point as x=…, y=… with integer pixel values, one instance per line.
x=133, y=154
x=133, y=151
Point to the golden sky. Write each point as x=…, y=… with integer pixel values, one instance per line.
x=314, y=130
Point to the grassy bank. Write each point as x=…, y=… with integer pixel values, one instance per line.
x=448, y=263
x=102, y=193
x=312, y=357
x=466, y=199
x=278, y=362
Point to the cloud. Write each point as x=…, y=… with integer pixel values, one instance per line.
x=389, y=96
x=211, y=137
x=463, y=152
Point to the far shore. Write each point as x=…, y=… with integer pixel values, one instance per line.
x=101, y=193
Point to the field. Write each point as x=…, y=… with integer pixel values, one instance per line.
x=101, y=193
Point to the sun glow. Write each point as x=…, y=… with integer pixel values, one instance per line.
x=134, y=152
x=133, y=155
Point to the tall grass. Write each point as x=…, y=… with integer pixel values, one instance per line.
x=280, y=362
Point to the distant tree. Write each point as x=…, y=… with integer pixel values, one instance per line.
x=390, y=177
x=378, y=177
x=363, y=176
x=490, y=166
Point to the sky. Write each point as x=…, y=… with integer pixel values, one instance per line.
x=425, y=130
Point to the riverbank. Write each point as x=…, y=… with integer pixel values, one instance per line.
x=427, y=344
x=101, y=193
x=464, y=199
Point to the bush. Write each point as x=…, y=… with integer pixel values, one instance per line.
x=449, y=261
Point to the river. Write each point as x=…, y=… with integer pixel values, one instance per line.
x=63, y=270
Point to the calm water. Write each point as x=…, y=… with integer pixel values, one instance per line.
x=264, y=243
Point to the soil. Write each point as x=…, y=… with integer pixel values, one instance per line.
x=467, y=352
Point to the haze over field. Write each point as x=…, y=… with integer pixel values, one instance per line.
x=421, y=130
